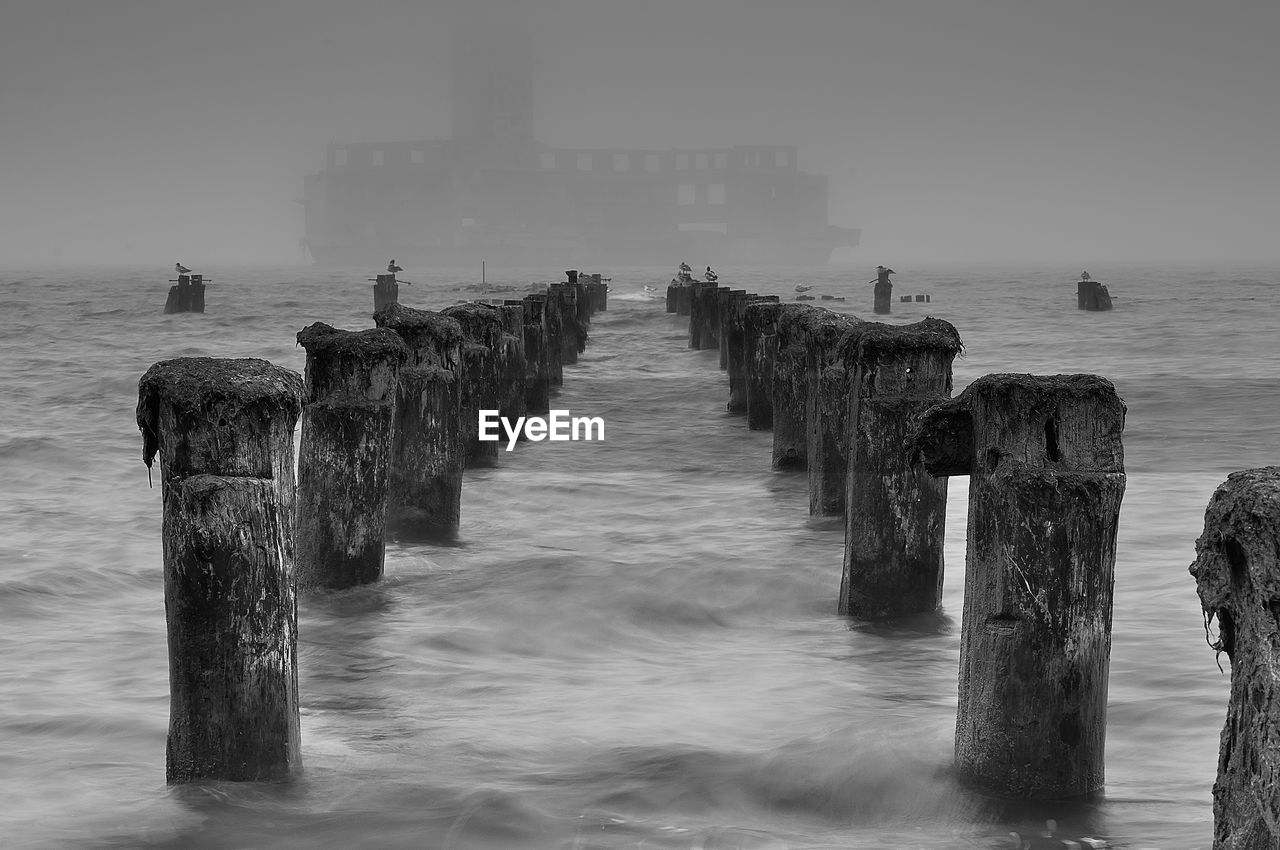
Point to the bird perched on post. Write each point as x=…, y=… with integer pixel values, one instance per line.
x=181, y=268
x=711, y=276
x=1085, y=276
x=393, y=268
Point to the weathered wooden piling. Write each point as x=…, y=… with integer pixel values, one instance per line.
x=679, y=296
x=553, y=325
x=828, y=385
x=425, y=491
x=725, y=299
x=343, y=460
x=895, y=512
x=704, y=328
x=1092, y=296
x=187, y=295
x=739, y=350
x=385, y=291
x=760, y=342
x=790, y=385
x=518, y=370
x=1046, y=467
x=598, y=294
x=1237, y=573
x=482, y=376
x=572, y=333
x=883, y=290
x=537, y=355
x=224, y=433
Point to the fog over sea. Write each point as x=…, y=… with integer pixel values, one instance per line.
x=634, y=643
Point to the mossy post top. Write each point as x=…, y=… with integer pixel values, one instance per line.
x=351, y=366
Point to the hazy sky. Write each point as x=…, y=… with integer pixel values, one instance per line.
x=1079, y=131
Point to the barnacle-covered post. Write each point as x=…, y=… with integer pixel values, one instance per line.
x=760, y=344
x=1046, y=475
x=344, y=456
x=790, y=385
x=896, y=513
x=828, y=382
x=482, y=345
x=425, y=491
x=224, y=433
x=1237, y=573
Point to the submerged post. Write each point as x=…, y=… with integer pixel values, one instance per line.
x=1237, y=573
x=385, y=291
x=425, y=484
x=224, y=433
x=883, y=290
x=1092, y=296
x=343, y=460
x=896, y=514
x=187, y=295
x=1046, y=468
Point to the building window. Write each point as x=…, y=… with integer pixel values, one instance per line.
x=547, y=159
x=378, y=157
x=584, y=162
x=652, y=162
x=686, y=194
x=340, y=156
x=780, y=159
x=621, y=162
x=721, y=159
x=682, y=161
x=715, y=193
x=417, y=157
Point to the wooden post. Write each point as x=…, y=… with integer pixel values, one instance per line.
x=537, y=354
x=883, y=290
x=343, y=461
x=1046, y=468
x=703, y=331
x=1092, y=296
x=760, y=342
x=224, y=432
x=481, y=376
x=828, y=381
x=1237, y=573
x=514, y=361
x=737, y=348
x=385, y=291
x=895, y=513
x=725, y=299
x=573, y=336
x=790, y=385
x=187, y=295
x=425, y=491
x=601, y=293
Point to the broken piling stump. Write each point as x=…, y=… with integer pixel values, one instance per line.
x=386, y=291
x=224, y=433
x=1046, y=467
x=895, y=512
x=186, y=295
x=424, y=494
x=343, y=461
x=1092, y=296
x=1237, y=573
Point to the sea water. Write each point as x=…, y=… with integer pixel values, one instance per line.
x=634, y=642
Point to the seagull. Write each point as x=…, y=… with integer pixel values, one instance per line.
x=181, y=268
x=393, y=268
x=684, y=267
x=1085, y=276
x=883, y=270
x=711, y=276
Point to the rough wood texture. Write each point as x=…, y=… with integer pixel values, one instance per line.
x=736, y=333
x=483, y=376
x=514, y=361
x=425, y=486
x=1046, y=465
x=224, y=433
x=828, y=384
x=896, y=513
x=1237, y=573
x=725, y=305
x=703, y=331
x=537, y=356
x=351, y=383
x=573, y=332
x=790, y=385
x=760, y=341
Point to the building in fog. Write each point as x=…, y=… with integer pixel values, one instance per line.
x=492, y=192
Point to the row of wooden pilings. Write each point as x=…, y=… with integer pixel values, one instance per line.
x=865, y=408
x=389, y=422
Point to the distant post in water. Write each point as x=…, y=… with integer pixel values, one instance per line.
x=386, y=291
x=187, y=295
x=1046, y=476
x=883, y=290
x=895, y=513
x=343, y=464
x=224, y=433
x=1092, y=295
x=1237, y=573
